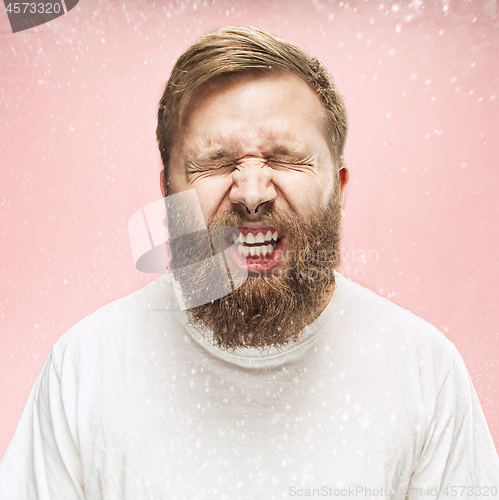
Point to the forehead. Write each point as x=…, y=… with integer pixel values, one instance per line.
x=271, y=110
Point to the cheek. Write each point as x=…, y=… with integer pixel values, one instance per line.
x=325, y=194
x=212, y=195
x=297, y=192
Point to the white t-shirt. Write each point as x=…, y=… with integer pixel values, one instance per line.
x=373, y=402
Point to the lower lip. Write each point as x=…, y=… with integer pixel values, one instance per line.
x=257, y=264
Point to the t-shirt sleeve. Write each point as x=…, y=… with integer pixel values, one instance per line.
x=458, y=459
x=42, y=460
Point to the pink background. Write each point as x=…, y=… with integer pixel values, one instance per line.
x=78, y=158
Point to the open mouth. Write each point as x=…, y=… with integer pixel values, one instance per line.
x=256, y=250
x=260, y=244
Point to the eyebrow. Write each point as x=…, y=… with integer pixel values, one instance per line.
x=284, y=150
x=215, y=154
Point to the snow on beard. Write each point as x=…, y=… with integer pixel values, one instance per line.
x=269, y=309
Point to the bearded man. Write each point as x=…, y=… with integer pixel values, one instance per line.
x=294, y=382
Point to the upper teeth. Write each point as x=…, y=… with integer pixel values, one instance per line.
x=259, y=238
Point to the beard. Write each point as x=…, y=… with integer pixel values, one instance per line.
x=269, y=309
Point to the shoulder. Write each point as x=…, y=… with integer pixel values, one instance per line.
x=392, y=332
x=364, y=309
x=114, y=323
x=394, y=356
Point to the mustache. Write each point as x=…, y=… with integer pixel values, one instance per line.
x=284, y=221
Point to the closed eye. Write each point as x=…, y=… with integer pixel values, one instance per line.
x=223, y=168
x=291, y=164
x=193, y=168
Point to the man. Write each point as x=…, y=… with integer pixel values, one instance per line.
x=296, y=383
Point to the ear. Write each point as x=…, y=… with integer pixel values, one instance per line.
x=344, y=175
x=162, y=182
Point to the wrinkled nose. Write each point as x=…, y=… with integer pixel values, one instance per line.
x=252, y=186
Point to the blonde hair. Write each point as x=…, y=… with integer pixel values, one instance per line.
x=236, y=50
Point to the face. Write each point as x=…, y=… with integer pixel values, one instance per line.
x=251, y=143
x=254, y=149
